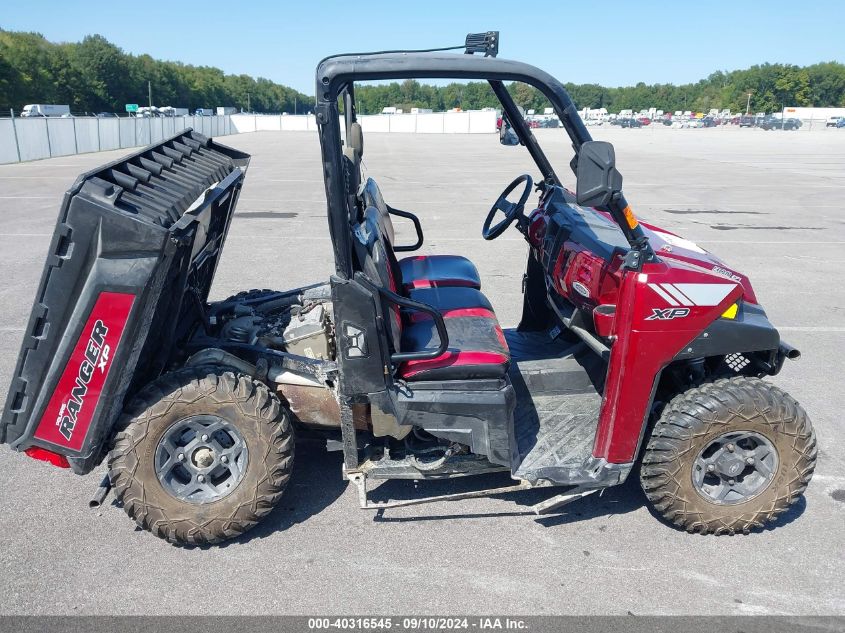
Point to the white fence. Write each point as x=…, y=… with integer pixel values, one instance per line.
x=430, y=123
x=36, y=138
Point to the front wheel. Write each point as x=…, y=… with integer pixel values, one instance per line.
x=204, y=454
x=728, y=457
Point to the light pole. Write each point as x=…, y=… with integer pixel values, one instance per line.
x=748, y=105
x=248, y=108
x=150, y=93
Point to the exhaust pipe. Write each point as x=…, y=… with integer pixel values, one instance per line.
x=101, y=493
x=787, y=351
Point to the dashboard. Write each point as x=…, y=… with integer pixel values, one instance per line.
x=580, y=249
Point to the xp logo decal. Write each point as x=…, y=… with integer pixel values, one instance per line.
x=664, y=314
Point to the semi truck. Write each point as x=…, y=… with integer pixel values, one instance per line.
x=45, y=110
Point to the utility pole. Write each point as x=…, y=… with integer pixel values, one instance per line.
x=248, y=109
x=150, y=93
x=748, y=105
x=294, y=105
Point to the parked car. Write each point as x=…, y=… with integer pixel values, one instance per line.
x=632, y=123
x=106, y=115
x=667, y=121
x=840, y=122
x=708, y=122
x=644, y=120
x=771, y=123
x=834, y=121
x=747, y=121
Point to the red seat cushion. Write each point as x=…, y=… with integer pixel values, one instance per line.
x=436, y=271
x=477, y=347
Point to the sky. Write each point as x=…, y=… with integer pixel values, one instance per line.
x=610, y=43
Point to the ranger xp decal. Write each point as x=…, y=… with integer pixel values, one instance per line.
x=68, y=414
x=692, y=294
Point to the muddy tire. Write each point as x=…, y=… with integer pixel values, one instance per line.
x=203, y=455
x=728, y=456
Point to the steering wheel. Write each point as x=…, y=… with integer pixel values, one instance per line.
x=512, y=210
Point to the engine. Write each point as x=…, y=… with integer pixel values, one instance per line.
x=298, y=322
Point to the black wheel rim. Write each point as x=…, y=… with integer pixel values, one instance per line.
x=735, y=467
x=201, y=459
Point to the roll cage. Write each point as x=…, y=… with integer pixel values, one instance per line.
x=335, y=79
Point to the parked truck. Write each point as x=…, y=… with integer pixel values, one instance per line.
x=171, y=111
x=45, y=110
x=224, y=110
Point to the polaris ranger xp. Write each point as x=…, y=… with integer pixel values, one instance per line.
x=637, y=352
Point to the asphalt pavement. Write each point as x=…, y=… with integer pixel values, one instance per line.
x=768, y=203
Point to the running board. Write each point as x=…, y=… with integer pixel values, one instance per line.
x=544, y=507
x=558, y=501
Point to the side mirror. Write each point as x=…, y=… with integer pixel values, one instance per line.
x=506, y=134
x=597, y=177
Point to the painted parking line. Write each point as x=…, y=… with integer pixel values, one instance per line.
x=707, y=241
x=809, y=328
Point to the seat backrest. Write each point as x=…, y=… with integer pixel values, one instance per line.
x=373, y=198
x=374, y=257
x=381, y=216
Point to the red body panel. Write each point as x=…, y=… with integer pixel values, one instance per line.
x=644, y=345
x=68, y=414
x=651, y=323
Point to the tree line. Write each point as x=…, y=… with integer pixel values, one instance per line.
x=95, y=75
x=772, y=86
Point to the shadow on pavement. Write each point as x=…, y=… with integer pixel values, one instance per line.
x=617, y=500
x=315, y=484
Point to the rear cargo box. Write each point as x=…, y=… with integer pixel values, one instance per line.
x=130, y=265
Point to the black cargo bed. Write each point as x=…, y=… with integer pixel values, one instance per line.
x=132, y=259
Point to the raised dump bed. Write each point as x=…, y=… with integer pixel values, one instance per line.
x=131, y=262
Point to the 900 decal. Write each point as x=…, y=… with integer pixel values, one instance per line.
x=71, y=408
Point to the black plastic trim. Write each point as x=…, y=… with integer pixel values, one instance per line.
x=404, y=302
x=417, y=227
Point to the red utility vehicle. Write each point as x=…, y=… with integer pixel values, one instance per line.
x=638, y=353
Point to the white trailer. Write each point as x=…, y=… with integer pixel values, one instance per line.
x=45, y=109
x=224, y=110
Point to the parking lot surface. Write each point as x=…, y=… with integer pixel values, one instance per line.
x=768, y=203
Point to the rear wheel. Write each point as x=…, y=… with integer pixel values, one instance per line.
x=728, y=457
x=205, y=453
